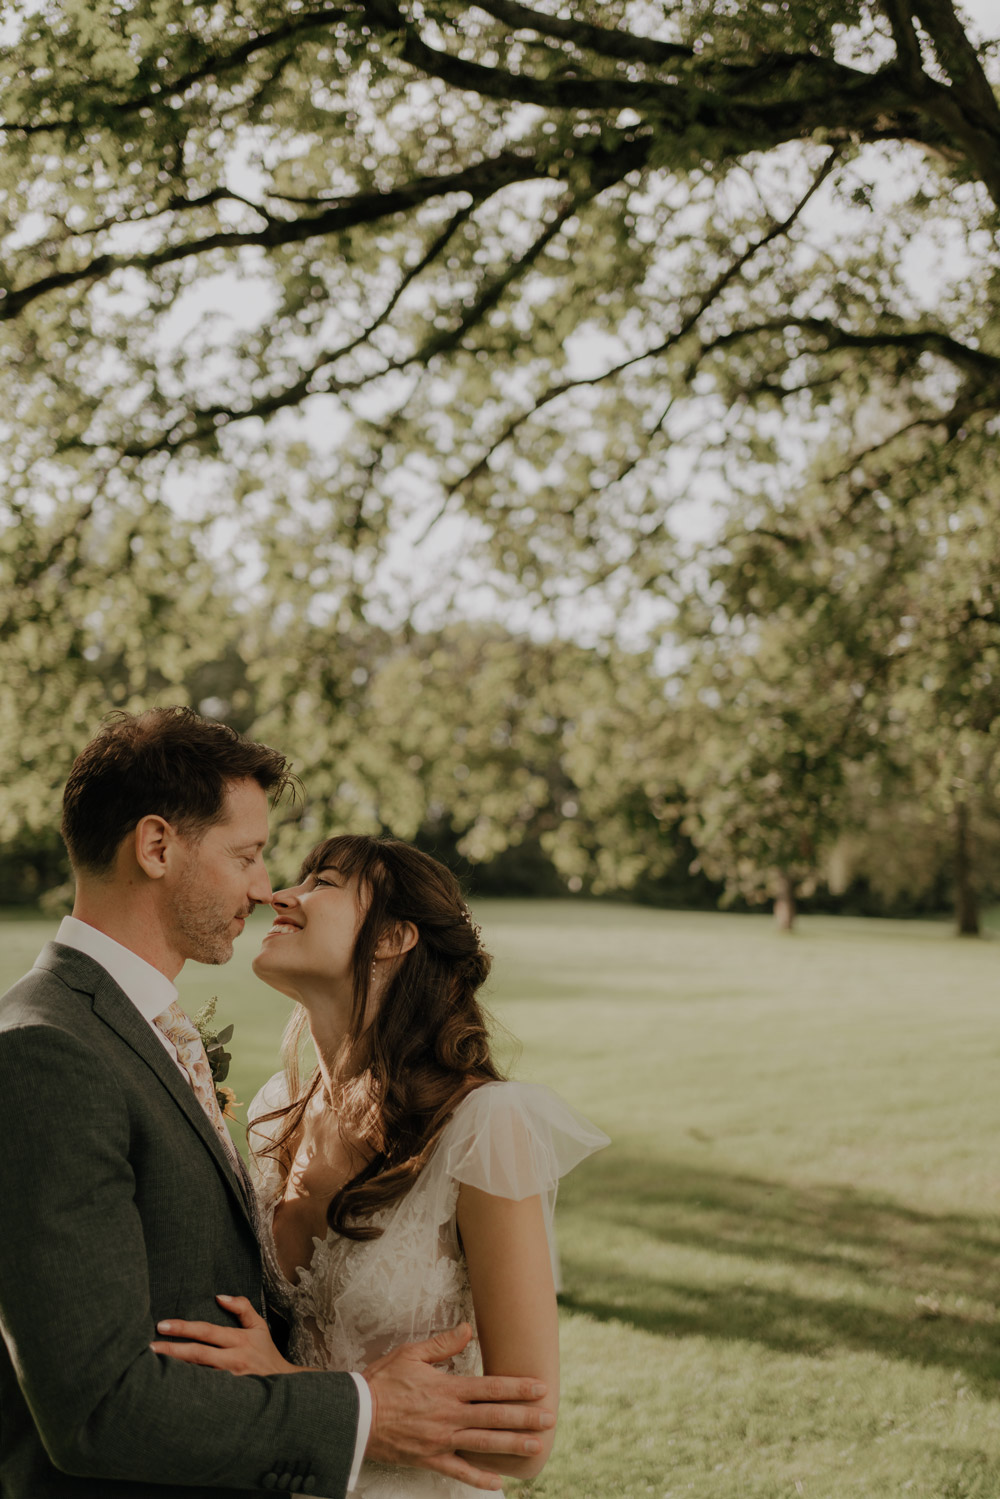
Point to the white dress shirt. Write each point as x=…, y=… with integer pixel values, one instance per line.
x=152, y=992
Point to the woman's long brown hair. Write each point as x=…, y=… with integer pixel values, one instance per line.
x=402, y=1070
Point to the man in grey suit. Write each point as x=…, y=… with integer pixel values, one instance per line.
x=123, y=1202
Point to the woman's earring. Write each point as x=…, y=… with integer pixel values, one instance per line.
x=374, y=966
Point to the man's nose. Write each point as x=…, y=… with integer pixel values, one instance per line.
x=260, y=887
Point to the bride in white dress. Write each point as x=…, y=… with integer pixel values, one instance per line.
x=404, y=1188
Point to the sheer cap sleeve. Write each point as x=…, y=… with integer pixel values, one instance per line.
x=517, y=1139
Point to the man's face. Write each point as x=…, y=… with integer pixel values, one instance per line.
x=222, y=878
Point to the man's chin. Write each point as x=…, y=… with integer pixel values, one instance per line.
x=212, y=954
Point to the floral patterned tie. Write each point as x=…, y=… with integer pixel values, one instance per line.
x=176, y=1026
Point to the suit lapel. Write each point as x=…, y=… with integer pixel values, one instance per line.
x=112, y=1005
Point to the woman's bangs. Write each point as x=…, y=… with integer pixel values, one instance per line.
x=347, y=853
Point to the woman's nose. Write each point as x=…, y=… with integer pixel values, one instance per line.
x=284, y=899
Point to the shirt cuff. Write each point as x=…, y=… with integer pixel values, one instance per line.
x=364, y=1428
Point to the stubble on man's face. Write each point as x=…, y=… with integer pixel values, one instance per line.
x=203, y=919
x=218, y=877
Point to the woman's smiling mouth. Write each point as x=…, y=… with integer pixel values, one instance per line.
x=281, y=929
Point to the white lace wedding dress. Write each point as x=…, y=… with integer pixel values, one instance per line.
x=358, y=1299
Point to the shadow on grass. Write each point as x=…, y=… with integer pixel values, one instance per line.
x=860, y=1265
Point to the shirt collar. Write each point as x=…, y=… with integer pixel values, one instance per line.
x=149, y=990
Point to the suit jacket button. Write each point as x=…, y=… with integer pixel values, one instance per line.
x=269, y=1481
x=309, y=1484
x=284, y=1480
x=295, y=1485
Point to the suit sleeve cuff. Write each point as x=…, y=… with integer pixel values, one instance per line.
x=364, y=1428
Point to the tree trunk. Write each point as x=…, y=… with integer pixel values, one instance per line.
x=784, y=904
x=966, y=901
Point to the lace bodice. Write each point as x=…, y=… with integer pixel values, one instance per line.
x=359, y=1299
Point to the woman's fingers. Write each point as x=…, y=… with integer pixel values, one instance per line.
x=242, y=1308
x=211, y=1332
x=204, y=1332
x=194, y=1353
x=247, y=1349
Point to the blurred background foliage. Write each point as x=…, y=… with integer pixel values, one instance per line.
x=573, y=439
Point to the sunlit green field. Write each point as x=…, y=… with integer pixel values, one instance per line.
x=783, y=1278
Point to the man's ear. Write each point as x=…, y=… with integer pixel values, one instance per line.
x=152, y=838
x=401, y=937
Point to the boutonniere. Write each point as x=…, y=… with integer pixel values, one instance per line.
x=219, y=1058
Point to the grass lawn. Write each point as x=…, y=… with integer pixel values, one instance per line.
x=783, y=1278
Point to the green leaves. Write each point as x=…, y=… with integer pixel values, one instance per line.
x=324, y=325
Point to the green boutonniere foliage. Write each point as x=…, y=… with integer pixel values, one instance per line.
x=219, y=1058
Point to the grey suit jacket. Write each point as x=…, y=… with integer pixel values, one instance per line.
x=119, y=1207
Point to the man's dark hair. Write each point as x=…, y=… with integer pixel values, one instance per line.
x=169, y=762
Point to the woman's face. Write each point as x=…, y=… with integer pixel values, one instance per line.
x=311, y=941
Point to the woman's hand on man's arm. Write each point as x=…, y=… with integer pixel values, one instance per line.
x=421, y=1416
x=247, y=1349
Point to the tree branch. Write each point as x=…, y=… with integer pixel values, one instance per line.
x=970, y=108
x=919, y=340
x=754, y=106
x=482, y=179
x=206, y=420
x=202, y=423
x=624, y=45
x=710, y=295
x=606, y=172
x=906, y=39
